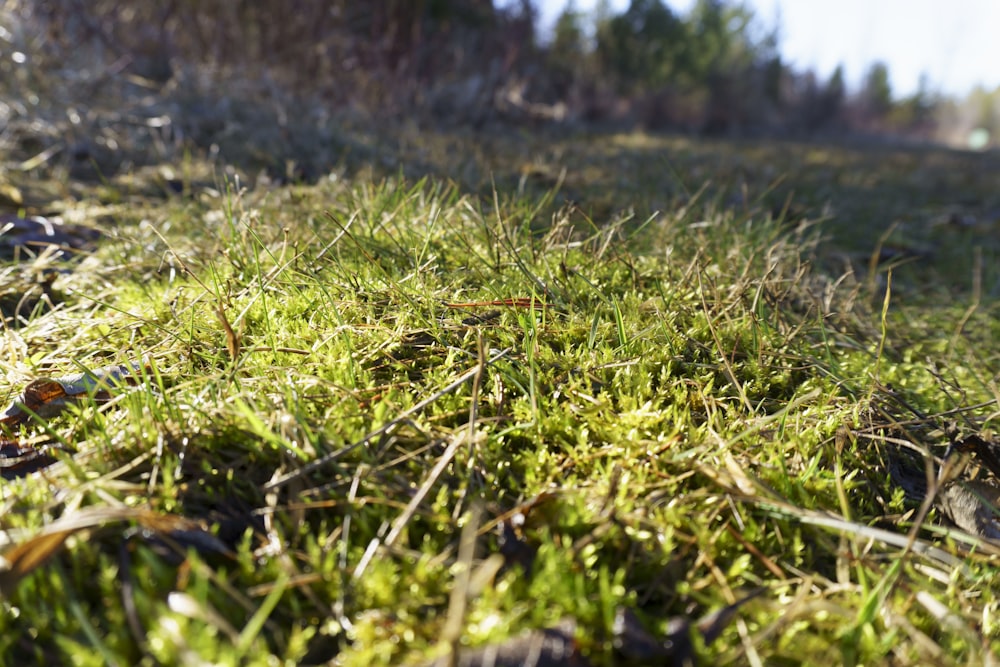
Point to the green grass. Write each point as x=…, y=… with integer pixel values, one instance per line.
x=678, y=409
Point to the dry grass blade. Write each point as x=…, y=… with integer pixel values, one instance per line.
x=385, y=428
x=22, y=559
x=862, y=531
x=232, y=338
x=459, y=598
x=399, y=525
x=727, y=366
x=463, y=436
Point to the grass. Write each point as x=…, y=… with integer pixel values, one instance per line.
x=387, y=417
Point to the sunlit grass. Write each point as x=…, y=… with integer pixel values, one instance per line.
x=342, y=376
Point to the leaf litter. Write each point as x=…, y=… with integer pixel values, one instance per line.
x=47, y=398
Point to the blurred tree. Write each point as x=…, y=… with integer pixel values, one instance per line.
x=983, y=108
x=832, y=100
x=646, y=45
x=876, y=92
x=835, y=89
x=915, y=114
x=820, y=107
x=730, y=65
x=720, y=39
x=774, y=70
x=568, y=48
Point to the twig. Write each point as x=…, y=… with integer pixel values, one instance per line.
x=459, y=439
x=385, y=428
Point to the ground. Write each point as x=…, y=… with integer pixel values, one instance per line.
x=648, y=394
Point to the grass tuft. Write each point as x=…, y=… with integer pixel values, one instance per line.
x=385, y=420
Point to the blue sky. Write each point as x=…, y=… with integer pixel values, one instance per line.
x=955, y=42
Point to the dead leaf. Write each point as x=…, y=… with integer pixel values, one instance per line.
x=676, y=649
x=27, y=237
x=972, y=506
x=33, y=552
x=48, y=397
x=232, y=338
x=23, y=559
x=17, y=460
x=551, y=647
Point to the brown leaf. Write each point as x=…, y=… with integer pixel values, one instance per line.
x=22, y=559
x=48, y=397
x=232, y=338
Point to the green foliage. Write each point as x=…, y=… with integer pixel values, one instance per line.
x=721, y=38
x=568, y=49
x=646, y=45
x=649, y=45
x=662, y=426
x=877, y=90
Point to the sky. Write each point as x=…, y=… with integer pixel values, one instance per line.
x=953, y=42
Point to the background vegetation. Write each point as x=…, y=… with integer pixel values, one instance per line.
x=83, y=74
x=452, y=341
